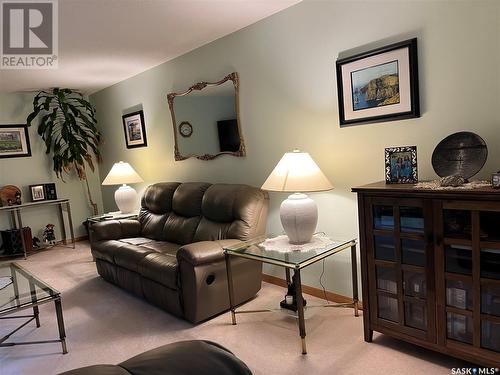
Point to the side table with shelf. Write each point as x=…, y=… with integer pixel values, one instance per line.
x=17, y=223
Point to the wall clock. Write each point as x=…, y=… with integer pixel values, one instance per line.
x=185, y=129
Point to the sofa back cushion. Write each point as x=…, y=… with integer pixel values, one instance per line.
x=182, y=222
x=156, y=205
x=197, y=211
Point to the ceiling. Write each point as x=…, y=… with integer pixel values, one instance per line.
x=102, y=42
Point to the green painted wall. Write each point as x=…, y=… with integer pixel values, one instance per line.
x=288, y=99
x=25, y=171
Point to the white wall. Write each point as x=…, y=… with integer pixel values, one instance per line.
x=37, y=169
x=288, y=99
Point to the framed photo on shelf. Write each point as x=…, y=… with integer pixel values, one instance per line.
x=135, y=129
x=495, y=180
x=37, y=193
x=401, y=165
x=14, y=141
x=379, y=85
x=50, y=191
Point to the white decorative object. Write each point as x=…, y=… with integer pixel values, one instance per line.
x=282, y=244
x=297, y=172
x=125, y=196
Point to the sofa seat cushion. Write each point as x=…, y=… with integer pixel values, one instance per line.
x=106, y=250
x=129, y=256
x=161, y=268
x=163, y=247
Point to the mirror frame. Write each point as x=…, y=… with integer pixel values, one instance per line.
x=233, y=77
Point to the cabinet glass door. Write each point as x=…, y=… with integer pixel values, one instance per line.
x=471, y=251
x=400, y=269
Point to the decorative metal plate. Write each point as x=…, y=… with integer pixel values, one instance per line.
x=462, y=154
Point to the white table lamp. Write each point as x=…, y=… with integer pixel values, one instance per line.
x=125, y=196
x=297, y=172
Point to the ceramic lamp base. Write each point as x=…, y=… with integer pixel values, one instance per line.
x=126, y=199
x=299, y=217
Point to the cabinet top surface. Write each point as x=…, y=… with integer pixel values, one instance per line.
x=381, y=186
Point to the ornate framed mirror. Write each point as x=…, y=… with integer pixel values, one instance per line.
x=206, y=120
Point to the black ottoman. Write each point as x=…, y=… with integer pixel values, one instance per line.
x=195, y=357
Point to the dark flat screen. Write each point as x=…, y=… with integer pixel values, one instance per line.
x=229, y=137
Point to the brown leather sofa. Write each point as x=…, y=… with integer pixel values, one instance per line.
x=194, y=357
x=173, y=254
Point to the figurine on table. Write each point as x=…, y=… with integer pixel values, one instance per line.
x=48, y=234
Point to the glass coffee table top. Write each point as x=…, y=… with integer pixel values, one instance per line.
x=277, y=250
x=19, y=288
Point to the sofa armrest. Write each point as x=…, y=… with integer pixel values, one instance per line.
x=198, y=253
x=114, y=230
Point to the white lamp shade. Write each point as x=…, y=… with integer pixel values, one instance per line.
x=122, y=173
x=297, y=172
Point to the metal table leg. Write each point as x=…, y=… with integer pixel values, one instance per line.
x=354, y=265
x=60, y=324
x=70, y=223
x=63, y=227
x=300, y=309
x=18, y=213
x=230, y=288
x=36, y=313
x=14, y=283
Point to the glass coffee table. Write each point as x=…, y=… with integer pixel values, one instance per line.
x=20, y=290
x=286, y=255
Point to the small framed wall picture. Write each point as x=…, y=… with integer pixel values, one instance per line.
x=14, y=141
x=135, y=129
x=495, y=180
x=37, y=192
x=401, y=165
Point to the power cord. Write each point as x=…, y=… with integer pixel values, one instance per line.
x=322, y=273
x=321, y=282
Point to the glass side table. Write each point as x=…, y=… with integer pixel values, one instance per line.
x=116, y=215
x=24, y=291
x=257, y=249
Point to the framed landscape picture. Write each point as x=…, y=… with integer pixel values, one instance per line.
x=379, y=85
x=14, y=141
x=401, y=165
x=135, y=129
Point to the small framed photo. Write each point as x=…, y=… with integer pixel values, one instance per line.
x=37, y=192
x=379, y=85
x=135, y=129
x=495, y=180
x=50, y=191
x=14, y=141
x=401, y=165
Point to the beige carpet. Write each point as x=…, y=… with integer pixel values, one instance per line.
x=104, y=324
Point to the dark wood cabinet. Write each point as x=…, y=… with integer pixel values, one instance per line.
x=430, y=262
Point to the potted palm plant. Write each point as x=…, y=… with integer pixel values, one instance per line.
x=68, y=127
